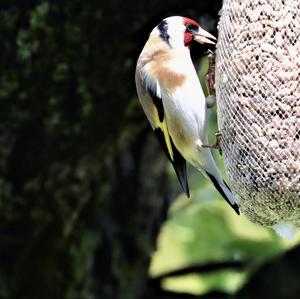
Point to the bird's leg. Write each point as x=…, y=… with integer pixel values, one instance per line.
x=215, y=145
x=210, y=80
x=210, y=75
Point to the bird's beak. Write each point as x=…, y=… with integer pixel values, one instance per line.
x=203, y=37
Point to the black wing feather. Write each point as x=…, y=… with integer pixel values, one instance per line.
x=158, y=104
x=177, y=161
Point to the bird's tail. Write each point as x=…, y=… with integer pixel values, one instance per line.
x=224, y=190
x=208, y=167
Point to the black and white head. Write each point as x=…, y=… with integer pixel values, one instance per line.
x=181, y=32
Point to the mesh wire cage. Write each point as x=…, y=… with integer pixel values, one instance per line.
x=258, y=96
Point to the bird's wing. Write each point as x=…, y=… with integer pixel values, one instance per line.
x=153, y=107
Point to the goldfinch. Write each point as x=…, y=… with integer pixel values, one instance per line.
x=171, y=96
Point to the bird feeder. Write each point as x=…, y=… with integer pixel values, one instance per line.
x=258, y=96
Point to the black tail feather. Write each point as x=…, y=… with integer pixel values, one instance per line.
x=219, y=188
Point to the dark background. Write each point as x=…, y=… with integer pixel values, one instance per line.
x=83, y=184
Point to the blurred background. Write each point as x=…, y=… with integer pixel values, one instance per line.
x=89, y=206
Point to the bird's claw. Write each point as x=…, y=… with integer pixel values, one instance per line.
x=210, y=75
x=215, y=145
x=218, y=141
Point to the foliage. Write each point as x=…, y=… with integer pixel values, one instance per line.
x=204, y=232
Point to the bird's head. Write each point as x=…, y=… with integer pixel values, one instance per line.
x=181, y=32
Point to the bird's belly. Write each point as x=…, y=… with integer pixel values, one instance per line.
x=186, y=125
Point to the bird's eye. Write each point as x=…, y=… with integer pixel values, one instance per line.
x=191, y=28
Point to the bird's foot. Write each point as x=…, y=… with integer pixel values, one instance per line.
x=210, y=75
x=215, y=145
x=218, y=137
x=218, y=141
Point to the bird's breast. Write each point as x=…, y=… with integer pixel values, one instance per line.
x=168, y=79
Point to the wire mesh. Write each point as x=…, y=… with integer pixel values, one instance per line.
x=258, y=96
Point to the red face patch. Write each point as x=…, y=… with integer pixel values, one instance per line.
x=188, y=34
x=188, y=38
x=187, y=21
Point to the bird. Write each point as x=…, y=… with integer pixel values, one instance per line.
x=172, y=98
